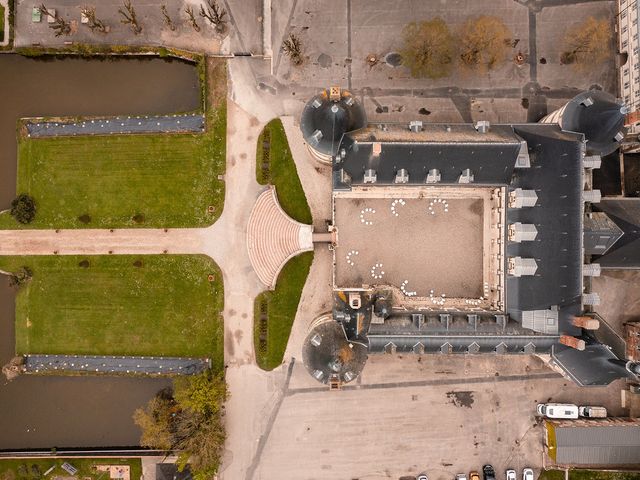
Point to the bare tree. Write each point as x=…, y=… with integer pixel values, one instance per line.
x=59, y=25
x=215, y=14
x=292, y=48
x=94, y=22
x=429, y=48
x=484, y=42
x=129, y=17
x=588, y=43
x=166, y=18
x=192, y=18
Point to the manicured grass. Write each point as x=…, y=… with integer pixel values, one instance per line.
x=279, y=170
x=275, y=312
x=116, y=305
x=588, y=475
x=165, y=180
x=34, y=468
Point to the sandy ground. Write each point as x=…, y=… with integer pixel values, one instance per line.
x=440, y=251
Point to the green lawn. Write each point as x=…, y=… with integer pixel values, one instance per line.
x=127, y=180
x=588, y=475
x=34, y=468
x=275, y=165
x=120, y=305
x=275, y=312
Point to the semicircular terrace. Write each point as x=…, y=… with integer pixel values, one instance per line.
x=273, y=237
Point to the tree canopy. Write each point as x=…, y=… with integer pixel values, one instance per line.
x=428, y=49
x=588, y=43
x=483, y=42
x=23, y=208
x=188, y=419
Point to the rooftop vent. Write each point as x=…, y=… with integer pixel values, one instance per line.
x=316, y=103
x=591, y=299
x=415, y=126
x=482, y=126
x=315, y=137
x=349, y=101
x=591, y=196
x=316, y=340
x=446, y=348
x=520, y=267
x=318, y=374
x=501, y=348
x=418, y=348
x=370, y=176
x=376, y=149
x=402, y=176
x=519, y=198
x=466, y=176
x=473, y=348
x=355, y=302
x=618, y=137
x=591, y=270
x=433, y=176
x=592, y=161
x=390, y=348
x=587, y=102
x=529, y=348
x=523, y=160
x=522, y=232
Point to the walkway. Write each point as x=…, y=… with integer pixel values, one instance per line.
x=273, y=237
x=192, y=123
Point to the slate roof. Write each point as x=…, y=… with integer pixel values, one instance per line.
x=556, y=174
x=625, y=253
x=451, y=149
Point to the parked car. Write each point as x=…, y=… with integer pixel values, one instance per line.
x=422, y=476
x=488, y=472
x=474, y=475
x=527, y=474
x=461, y=476
x=511, y=474
x=558, y=410
x=592, y=412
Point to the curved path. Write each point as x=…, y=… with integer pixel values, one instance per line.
x=273, y=237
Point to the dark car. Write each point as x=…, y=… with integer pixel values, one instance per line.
x=488, y=472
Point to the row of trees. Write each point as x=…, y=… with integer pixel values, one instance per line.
x=209, y=11
x=431, y=49
x=188, y=419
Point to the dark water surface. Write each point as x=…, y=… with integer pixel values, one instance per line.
x=46, y=412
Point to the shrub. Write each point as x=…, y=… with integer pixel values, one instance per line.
x=23, y=208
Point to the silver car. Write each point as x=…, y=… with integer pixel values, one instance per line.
x=511, y=474
x=527, y=474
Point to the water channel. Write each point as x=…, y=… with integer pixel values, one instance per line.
x=47, y=412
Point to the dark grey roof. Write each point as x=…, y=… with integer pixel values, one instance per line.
x=595, y=365
x=600, y=233
x=332, y=118
x=556, y=175
x=491, y=156
x=625, y=253
x=169, y=471
x=598, y=445
x=599, y=122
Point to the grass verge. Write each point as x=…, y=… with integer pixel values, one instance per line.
x=588, y=475
x=120, y=305
x=275, y=311
x=157, y=180
x=34, y=468
x=275, y=166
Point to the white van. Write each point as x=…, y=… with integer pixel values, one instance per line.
x=558, y=410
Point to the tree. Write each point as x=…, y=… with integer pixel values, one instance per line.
x=292, y=48
x=428, y=49
x=484, y=42
x=23, y=208
x=192, y=18
x=215, y=14
x=166, y=18
x=94, y=22
x=20, y=277
x=59, y=25
x=188, y=419
x=129, y=17
x=587, y=43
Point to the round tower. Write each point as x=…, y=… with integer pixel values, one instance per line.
x=326, y=118
x=596, y=114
